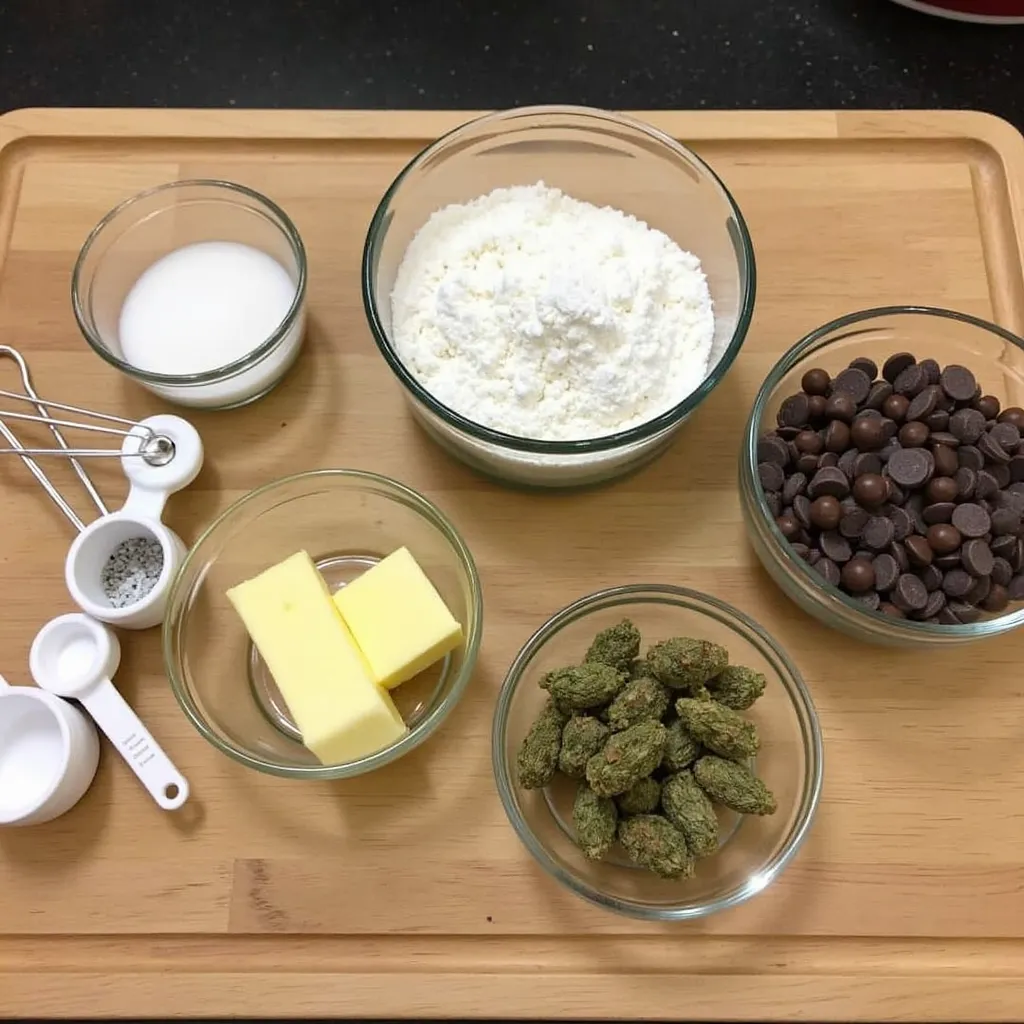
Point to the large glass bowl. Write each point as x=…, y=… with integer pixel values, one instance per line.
x=592, y=155
x=996, y=357
x=754, y=850
x=346, y=520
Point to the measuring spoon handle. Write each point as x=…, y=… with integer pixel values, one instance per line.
x=134, y=743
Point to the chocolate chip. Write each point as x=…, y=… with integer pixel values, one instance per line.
x=931, y=576
x=897, y=496
x=866, y=463
x=968, y=455
x=947, y=562
x=941, y=488
x=1014, y=414
x=899, y=553
x=816, y=408
x=828, y=460
x=980, y=590
x=774, y=502
x=965, y=482
x=868, y=366
x=947, y=618
x=1001, y=571
x=816, y=382
x=911, y=467
x=919, y=551
x=946, y=462
x=991, y=449
x=878, y=533
x=896, y=364
x=1004, y=547
x=987, y=405
x=913, y=434
x=1016, y=559
x=871, y=490
x=957, y=583
x=826, y=512
x=971, y=520
x=828, y=570
x=998, y=598
x=870, y=600
x=1005, y=520
x=794, y=485
x=837, y=436
x=910, y=382
x=852, y=524
x=986, y=485
x=932, y=370
x=967, y=425
x=909, y=594
x=835, y=546
x=880, y=391
x=858, y=576
x=801, y=550
x=887, y=571
x=902, y=523
x=793, y=412
x=771, y=476
x=1016, y=467
x=814, y=557
x=802, y=510
x=1007, y=435
x=963, y=612
x=924, y=404
x=772, y=448
x=938, y=421
x=943, y=538
x=867, y=433
x=976, y=557
x=807, y=464
x=958, y=382
x=855, y=382
x=938, y=512
x=841, y=406
x=1016, y=588
x=936, y=602
x=828, y=481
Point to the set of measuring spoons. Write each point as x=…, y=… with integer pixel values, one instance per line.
x=49, y=748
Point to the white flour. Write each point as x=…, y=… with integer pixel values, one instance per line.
x=545, y=317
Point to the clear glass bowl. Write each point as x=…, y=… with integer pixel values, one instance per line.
x=754, y=850
x=996, y=357
x=346, y=520
x=148, y=226
x=591, y=155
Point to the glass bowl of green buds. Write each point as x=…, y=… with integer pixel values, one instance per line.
x=657, y=752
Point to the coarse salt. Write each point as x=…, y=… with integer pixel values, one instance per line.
x=541, y=316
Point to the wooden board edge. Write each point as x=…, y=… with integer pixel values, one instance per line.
x=433, y=995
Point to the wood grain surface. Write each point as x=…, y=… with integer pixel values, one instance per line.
x=406, y=893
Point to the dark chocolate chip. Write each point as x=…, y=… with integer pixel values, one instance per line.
x=967, y=424
x=880, y=391
x=909, y=594
x=902, y=523
x=919, y=551
x=965, y=613
x=878, y=533
x=772, y=448
x=837, y=436
x=835, y=546
x=794, y=411
x=980, y=590
x=846, y=461
x=947, y=562
x=794, y=485
x=828, y=460
x=924, y=404
x=866, y=462
x=936, y=602
x=913, y=434
x=1016, y=588
x=911, y=467
x=938, y=512
x=800, y=550
x=807, y=464
x=910, y=382
x=869, y=366
x=968, y=455
x=931, y=576
x=896, y=364
x=771, y=476
x=998, y=598
x=828, y=570
x=852, y=524
x=774, y=502
x=946, y=462
x=899, y=552
x=855, y=382
x=986, y=485
x=1007, y=435
x=938, y=421
x=1004, y=547
x=965, y=482
x=867, y=432
x=1001, y=571
x=1001, y=473
x=841, y=406
x=887, y=571
x=958, y=382
x=802, y=510
x=976, y=557
x=932, y=370
x=987, y=405
x=1005, y=520
x=971, y=520
x=831, y=481
x=871, y=601
x=814, y=557
x=947, y=618
x=992, y=449
x=943, y=539
x=1017, y=468
x=1014, y=414
x=957, y=583
x=1016, y=559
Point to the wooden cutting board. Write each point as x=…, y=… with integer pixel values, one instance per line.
x=406, y=893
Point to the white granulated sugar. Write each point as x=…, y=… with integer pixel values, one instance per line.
x=545, y=317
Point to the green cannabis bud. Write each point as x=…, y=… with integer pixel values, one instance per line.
x=641, y=699
x=582, y=737
x=642, y=797
x=537, y=759
x=733, y=785
x=626, y=758
x=655, y=843
x=681, y=749
x=737, y=687
x=616, y=646
x=687, y=806
x=639, y=669
x=594, y=818
x=686, y=664
x=718, y=728
x=584, y=686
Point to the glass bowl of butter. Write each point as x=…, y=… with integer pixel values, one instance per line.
x=324, y=625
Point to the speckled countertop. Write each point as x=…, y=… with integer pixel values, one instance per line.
x=497, y=53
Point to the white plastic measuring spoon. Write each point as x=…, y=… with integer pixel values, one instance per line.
x=76, y=656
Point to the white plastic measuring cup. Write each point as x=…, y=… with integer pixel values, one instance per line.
x=76, y=656
x=151, y=486
x=48, y=755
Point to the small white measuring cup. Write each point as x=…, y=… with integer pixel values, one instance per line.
x=152, y=483
x=48, y=755
x=76, y=656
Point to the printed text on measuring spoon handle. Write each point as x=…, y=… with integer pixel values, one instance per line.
x=144, y=755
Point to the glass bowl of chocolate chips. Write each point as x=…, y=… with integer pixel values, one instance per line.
x=882, y=476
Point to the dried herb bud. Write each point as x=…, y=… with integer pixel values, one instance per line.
x=681, y=749
x=718, y=728
x=655, y=843
x=594, y=818
x=641, y=699
x=642, y=798
x=616, y=646
x=737, y=687
x=626, y=758
x=585, y=686
x=734, y=786
x=582, y=737
x=639, y=669
x=537, y=759
x=687, y=806
x=685, y=664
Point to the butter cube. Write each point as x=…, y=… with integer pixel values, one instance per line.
x=398, y=619
x=342, y=714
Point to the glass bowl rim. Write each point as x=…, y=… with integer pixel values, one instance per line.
x=411, y=499
x=515, y=442
x=799, y=696
x=825, y=595
x=283, y=222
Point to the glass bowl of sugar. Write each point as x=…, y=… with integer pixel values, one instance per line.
x=557, y=289
x=196, y=290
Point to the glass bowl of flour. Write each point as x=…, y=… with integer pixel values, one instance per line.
x=557, y=289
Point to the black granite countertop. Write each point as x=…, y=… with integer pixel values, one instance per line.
x=499, y=53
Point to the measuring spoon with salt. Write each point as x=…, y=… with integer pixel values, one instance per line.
x=76, y=656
